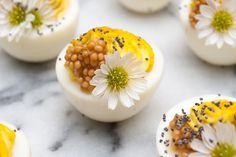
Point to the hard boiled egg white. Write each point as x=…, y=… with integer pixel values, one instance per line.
x=96, y=108
x=211, y=54
x=21, y=147
x=35, y=48
x=186, y=106
x=144, y=6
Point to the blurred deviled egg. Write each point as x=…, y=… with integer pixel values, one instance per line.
x=199, y=127
x=13, y=142
x=37, y=30
x=109, y=74
x=144, y=6
x=210, y=27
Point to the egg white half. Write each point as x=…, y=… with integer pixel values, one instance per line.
x=21, y=147
x=96, y=108
x=144, y=6
x=177, y=109
x=35, y=48
x=211, y=54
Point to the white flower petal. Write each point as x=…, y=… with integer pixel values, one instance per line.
x=105, y=69
x=112, y=101
x=209, y=137
x=225, y=132
x=206, y=11
x=220, y=43
x=132, y=93
x=125, y=100
x=196, y=154
x=126, y=60
x=99, y=89
x=199, y=146
x=232, y=33
x=204, y=33
x=213, y=38
x=228, y=39
x=212, y=4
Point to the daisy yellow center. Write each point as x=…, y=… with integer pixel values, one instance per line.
x=38, y=19
x=17, y=15
x=222, y=21
x=117, y=78
x=224, y=150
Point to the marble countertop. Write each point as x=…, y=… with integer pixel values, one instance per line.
x=31, y=97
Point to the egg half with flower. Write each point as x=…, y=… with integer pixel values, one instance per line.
x=37, y=30
x=144, y=6
x=210, y=27
x=184, y=124
x=109, y=74
x=13, y=142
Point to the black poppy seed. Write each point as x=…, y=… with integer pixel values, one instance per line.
x=164, y=117
x=166, y=129
x=162, y=134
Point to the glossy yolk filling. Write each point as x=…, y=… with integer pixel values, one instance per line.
x=212, y=112
x=7, y=138
x=123, y=42
x=184, y=128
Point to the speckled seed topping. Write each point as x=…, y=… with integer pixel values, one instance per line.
x=184, y=128
x=82, y=60
x=195, y=10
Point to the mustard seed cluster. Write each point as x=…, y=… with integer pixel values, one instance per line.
x=195, y=10
x=83, y=59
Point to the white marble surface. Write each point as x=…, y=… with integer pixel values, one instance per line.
x=31, y=97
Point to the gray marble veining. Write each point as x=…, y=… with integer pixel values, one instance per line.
x=31, y=98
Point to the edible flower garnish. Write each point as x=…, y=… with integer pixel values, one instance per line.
x=120, y=78
x=217, y=22
x=217, y=141
x=19, y=18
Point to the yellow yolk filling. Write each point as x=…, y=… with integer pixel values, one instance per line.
x=123, y=42
x=7, y=138
x=212, y=112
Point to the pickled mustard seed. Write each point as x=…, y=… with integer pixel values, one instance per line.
x=201, y=99
x=166, y=151
x=160, y=141
x=162, y=134
x=219, y=94
x=83, y=59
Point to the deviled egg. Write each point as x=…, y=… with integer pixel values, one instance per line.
x=144, y=6
x=109, y=74
x=13, y=142
x=37, y=30
x=210, y=27
x=199, y=127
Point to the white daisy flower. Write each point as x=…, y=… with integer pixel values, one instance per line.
x=217, y=141
x=14, y=20
x=44, y=16
x=119, y=79
x=21, y=17
x=217, y=22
